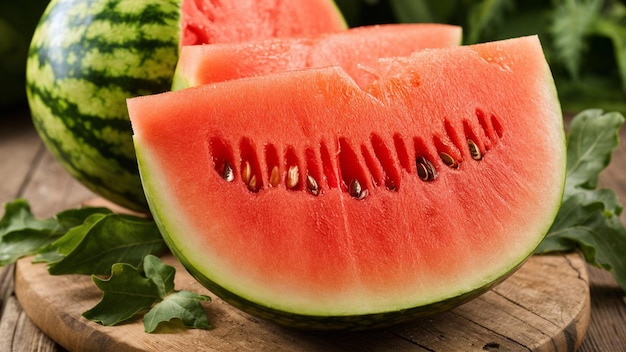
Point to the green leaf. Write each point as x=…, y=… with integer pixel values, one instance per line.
x=592, y=137
x=599, y=235
x=183, y=305
x=160, y=273
x=126, y=294
x=580, y=211
x=70, y=218
x=64, y=245
x=603, y=242
x=16, y=245
x=588, y=218
x=17, y=216
x=21, y=234
x=85, y=240
x=101, y=241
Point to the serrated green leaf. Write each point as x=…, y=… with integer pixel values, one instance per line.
x=601, y=237
x=183, y=305
x=575, y=215
x=17, y=216
x=64, y=245
x=18, y=244
x=603, y=244
x=160, y=273
x=70, y=218
x=592, y=138
x=98, y=241
x=104, y=239
x=125, y=294
x=588, y=218
x=576, y=210
x=21, y=234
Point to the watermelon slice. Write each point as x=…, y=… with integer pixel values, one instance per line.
x=306, y=199
x=354, y=50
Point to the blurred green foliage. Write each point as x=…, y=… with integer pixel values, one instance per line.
x=584, y=40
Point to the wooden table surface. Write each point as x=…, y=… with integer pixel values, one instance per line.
x=28, y=170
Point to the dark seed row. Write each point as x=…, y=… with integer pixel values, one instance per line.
x=380, y=166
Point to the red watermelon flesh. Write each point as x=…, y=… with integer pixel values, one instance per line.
x=354, y=50
x=431, y=183
x=219, y=21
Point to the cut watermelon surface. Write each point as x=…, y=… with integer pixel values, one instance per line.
x=354, y=50
x=211, y=21
x=307, y=199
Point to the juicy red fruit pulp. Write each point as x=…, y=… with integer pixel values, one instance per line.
x=221, y=21
x=423, y=191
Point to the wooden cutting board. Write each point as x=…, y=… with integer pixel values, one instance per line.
x=545, y=306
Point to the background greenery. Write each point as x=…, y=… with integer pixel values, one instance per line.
x=584, y=40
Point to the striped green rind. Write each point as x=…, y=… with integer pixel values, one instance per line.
x=85, y=59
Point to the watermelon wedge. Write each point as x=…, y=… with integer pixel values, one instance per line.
x=354, y=50
x=311, y=201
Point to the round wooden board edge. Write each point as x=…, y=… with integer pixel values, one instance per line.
x=72, y=331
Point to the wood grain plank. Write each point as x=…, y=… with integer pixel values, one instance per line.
x=8, y=306
x=494, y=320
x=30, y=171
x=20, y=147
x=21, y=153
x=18, y=333
x=607, y=328
x=542, y=319
x=59, y=315
x=51, y=189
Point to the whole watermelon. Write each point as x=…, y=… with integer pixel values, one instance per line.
x=88, y=56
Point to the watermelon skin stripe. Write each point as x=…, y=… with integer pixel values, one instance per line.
x=124, y=166
x=78, y=124
x=91, y=137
